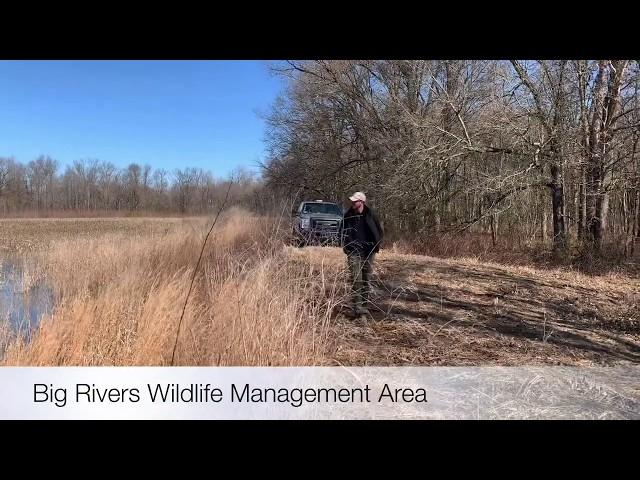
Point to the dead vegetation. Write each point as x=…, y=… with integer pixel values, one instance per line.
x=120, y=286
x=432, y=311
x=28, y=235
x=119, y=296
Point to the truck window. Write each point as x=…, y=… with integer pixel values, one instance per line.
x=327, y=208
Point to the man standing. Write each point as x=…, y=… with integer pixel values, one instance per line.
x=361, y=236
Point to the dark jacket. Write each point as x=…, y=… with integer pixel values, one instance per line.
x=361, y=232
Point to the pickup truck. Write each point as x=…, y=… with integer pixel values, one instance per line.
x=317, y=223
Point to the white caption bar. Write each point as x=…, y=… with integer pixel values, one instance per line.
x=319, y=393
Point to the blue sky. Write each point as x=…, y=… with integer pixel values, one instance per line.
x=168, y=114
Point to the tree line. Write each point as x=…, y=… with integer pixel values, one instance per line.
x=544, y=150
x=41, y=186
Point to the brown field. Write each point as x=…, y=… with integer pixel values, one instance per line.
x=30, y=234
x=120, y=286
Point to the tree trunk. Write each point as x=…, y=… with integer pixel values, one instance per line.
x=557, y=209
x=576, y=207
x=604, y=215
x=565, y=218
x=582, y=227
x=605, y=106
x=636, y=221
x=494, y=228
x=594, y=207
x=627, y=221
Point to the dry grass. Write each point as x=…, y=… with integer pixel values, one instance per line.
x=120, y=285
x=58, y=214
x=120, y=293
x=515, y=249
x=24, y=236
x=463, y=312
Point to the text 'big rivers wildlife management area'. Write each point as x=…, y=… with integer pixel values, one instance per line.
x=206, y=393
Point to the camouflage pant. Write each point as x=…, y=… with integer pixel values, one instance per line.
x=360, y=268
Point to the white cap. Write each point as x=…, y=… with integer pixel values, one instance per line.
x=358, y=196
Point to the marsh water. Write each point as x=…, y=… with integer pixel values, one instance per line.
x=22, y=303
